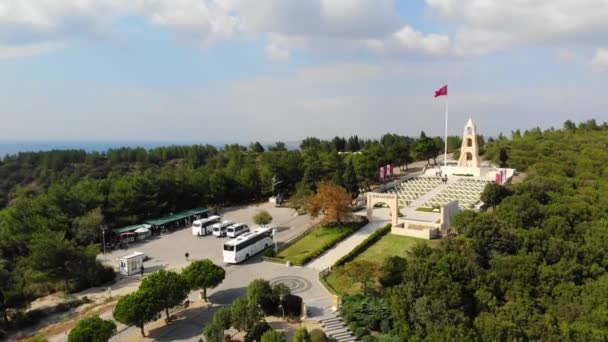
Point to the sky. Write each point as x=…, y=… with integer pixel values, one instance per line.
x=246, y=70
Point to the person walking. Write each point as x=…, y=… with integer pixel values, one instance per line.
x=187, y=255
x=141, y=270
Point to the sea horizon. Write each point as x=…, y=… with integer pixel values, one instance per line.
x=18, y=146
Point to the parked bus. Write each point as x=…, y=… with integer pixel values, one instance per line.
x=247, y=245
x=219, y=229
x=204, y=226
x=237, y=229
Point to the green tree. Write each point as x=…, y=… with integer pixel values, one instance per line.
x=256, y=147
x=493, y=194
x=350, y=179
x=166, y=288
x=203, y=274
x=213, y=332
x=273, y=336
x=87, y=227
x=259, y=292
x=92, y=329
x=361, y=271
x=301, y=335
x=137, y=308
x=262, y=218
x=223, y=318
x=244, y=314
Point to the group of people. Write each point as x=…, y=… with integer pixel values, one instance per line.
x=444, y=178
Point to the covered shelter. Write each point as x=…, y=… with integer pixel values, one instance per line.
x=177, y=220
x=131, y=264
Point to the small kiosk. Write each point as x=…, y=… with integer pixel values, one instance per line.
x=131, y=264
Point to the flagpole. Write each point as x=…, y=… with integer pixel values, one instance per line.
x=445, y=155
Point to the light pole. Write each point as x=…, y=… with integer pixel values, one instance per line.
x=281, y=305
x=103, y=238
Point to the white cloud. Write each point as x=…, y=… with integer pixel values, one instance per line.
x=410, y=40
x=194, y=19
x=600, y=60
x=324, y=26
x=492, y=25
x=277, y=52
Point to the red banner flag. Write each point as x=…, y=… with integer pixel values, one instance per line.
x=442, y=91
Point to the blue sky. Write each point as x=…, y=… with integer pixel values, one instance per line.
x=243, y=70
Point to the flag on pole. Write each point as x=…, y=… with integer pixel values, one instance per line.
x=442, y=91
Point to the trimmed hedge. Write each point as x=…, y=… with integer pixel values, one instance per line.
x=360, y=248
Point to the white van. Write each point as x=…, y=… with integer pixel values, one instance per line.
x=236, y=230
x=204, y=226
x=219, y=229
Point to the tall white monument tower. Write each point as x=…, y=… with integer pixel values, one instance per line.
x=469, y=151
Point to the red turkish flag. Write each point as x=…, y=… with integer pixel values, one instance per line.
x=442, y=91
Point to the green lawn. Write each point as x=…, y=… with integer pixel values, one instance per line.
x=389, y=245
x=426, y=210
x=301, y=248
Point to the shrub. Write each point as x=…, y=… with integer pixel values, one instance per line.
x=352, y=326
x=368, y=338
x=269, y=252
x=273, y=336
x=365, y=311
x=92, y=329
x=317, y=335
x=257, y=331
x=293, y=305
x=360, y=332
x=301, y=335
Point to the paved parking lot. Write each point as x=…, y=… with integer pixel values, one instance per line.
x=168, y=251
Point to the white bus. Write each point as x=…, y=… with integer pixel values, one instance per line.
x=237, y=229
x=247, y=245
x=203, y=226
x=219, y=229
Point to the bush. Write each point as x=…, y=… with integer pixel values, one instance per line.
x=317, y=335
x=273, y=336
x=365, y=311
x=301, y=335
x=368, y=338
x=293, y=305
x=92, y=329
x=257, y=331
x=360, y=332
x=360, y=248
x=269, y=252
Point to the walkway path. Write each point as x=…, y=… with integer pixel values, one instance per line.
x=331, y=256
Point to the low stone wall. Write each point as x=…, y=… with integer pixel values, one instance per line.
x=417, y=229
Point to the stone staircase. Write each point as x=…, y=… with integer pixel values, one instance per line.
x=334, y=327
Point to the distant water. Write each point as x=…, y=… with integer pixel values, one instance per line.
x=14, y=147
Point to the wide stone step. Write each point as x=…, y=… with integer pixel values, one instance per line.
x=343, y=335
x=334, y=325
x=337, y=331
x=348, y=339
x=329, y=320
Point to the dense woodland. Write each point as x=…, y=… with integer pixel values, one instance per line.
x=534, y=269
x=54, y=202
